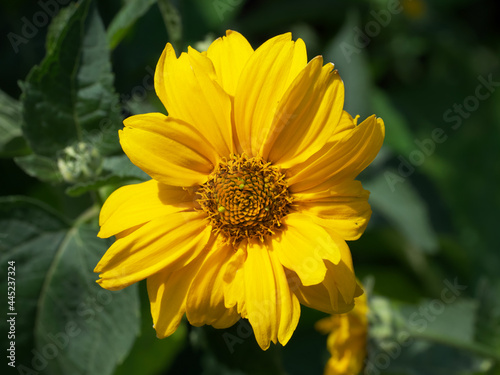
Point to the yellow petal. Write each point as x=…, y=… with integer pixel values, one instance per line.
x=298, y=62
x=126, y=232
x=340, y=159
x=337, y=291
x=341, y=286
x=171, y=241
x=137, y=204
x=228, y=319
x=323, y=297
x=167, y=293
x=169, y=150
x=342, y=276
x=346, y=123
x=229, y=55
x=272, y=310
x=330, y=188
x=347, y=339
x=234, y=280
x=346, y=211
x=262, y=83
x=287, y=302
x=307, y=116
x=205, y=301
x=302, y=246
x=313, y=296
x=189, y=91
x=260, y=295
x=340, y=280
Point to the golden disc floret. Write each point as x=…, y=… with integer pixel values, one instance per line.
x=245, y=198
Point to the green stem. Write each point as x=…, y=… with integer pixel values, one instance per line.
x=87, y=215
x=97, y=198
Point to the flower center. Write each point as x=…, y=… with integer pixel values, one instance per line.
x=245, y=198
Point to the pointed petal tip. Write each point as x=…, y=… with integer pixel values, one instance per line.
x=232, y=32
x=381, y=124
x=98, y=269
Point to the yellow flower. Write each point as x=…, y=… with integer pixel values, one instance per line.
x=347, y=339
x=252, y=193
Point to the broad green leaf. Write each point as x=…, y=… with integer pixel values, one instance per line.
x=349, y=57
x=125, y=19
x=420, y=339
x=66, y=323
x=12, y=142
x=122, y=166
x=117, y=170
x=58, y=26
x=403, y=208
x=29, y=237
x=41, y=167
x=437, y=319
x=69, y=97
x=93, y=185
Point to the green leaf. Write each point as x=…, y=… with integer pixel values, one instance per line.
x=437, y=319
x=125, y=19
x=12, y=142
x=69, y=97
x=118, y=170
x=173, y=22
x=40, y=167
x=58, y=25
x=66, y=323
x=435, y=337
x=93, y=185
x=404, y=209
x=353, y=67
x=122, y=166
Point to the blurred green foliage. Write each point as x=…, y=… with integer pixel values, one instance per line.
x=429, y=258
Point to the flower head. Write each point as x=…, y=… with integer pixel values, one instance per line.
x=347, y=339
x=253, y=191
